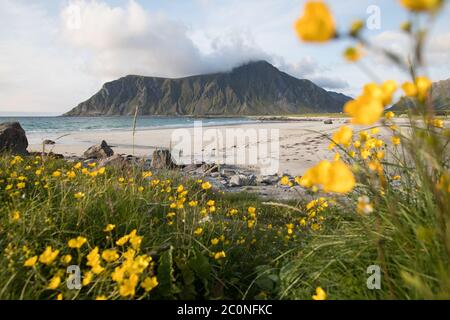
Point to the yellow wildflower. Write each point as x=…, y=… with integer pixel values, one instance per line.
x=48, y=256
x=71, y=174
x=56, y=174
x=15, y=215
x=21, y=185
x=31, y=262
x=87, y=279
x=193, y=203
x=109, y=228
x=123, y=240
x=149, y=283
x=395, y=140
x=147, y=174
x=389, y=115
x=219, y=255
x=66, y=259
x=93, y=259
x=79, y=195
x=284, y=181
x=343, y=136
x=206, y=186
x=135, y=240
x=364, y=110
x=332, y=176
x=352, y=54
x=128, y=287
x=54, y=283
x=77, y=243
x=316, y=24
x=418, y=89
x=110, y=255
x=438, y=123
x=198, y=231
x=421, y=5
x=356, y=27
x=320, y=294
x=215, y=241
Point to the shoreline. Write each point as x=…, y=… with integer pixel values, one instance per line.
x=301, y=142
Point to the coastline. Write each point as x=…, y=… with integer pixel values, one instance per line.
x=301, y=141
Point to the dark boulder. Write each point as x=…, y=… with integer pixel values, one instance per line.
x=13, y=138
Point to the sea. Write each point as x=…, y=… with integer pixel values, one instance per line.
x=43, y=127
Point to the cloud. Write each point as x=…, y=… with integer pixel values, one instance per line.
x=130, y=40
x=35, y=73
x=332, y=83
x=309, y=68
x=439, y=49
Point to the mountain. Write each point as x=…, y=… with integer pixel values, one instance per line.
x=256, y=88
x=440, y=94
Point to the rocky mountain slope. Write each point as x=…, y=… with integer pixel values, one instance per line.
x=257, y=88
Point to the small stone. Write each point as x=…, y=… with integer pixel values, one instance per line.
x=116, y=161
x=100, y=151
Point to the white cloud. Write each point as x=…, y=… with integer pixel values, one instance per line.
x=35, y=74
x=439, y=49
x=130, y=40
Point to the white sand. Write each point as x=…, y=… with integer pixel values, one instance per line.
x=301, y=144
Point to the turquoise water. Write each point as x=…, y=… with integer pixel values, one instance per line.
x=64, y=125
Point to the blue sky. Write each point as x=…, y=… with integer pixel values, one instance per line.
x=58, y=53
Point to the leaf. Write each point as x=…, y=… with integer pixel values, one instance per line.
x=200, y=265
x=188, y=291
x=166, y=287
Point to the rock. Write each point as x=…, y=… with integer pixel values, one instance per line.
x=267, y=180
x=215, y=174
x=237, y=180
x=207, y=168
x=251, y=180
x=240, y=180
x=162, y=159
x=116, y=161
x=13, y=138
x=210, y=168
x=228, y=172
x=329, y=121
x=190, y=167
x=99, y=151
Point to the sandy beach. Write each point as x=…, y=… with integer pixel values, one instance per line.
x=301, y=143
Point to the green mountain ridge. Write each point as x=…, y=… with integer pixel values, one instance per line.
x=256, y=88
